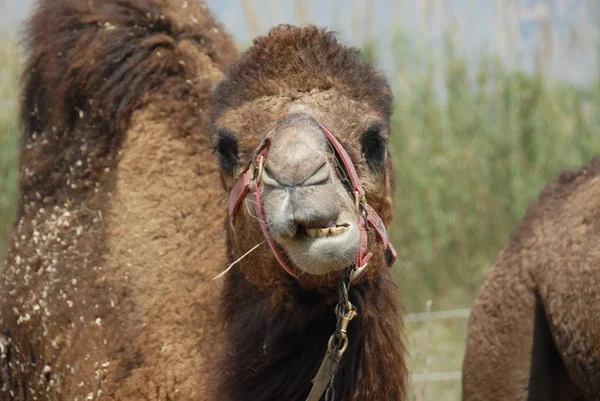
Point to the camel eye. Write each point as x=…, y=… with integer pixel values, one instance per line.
x=226, y=148
x=373, y=147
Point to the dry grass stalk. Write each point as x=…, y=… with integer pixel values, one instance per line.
x=335, y=15
x=546, y=40
x=251, y=19
x=9, y=6
x=355, y=27
x=300, y=12
x=224, y=272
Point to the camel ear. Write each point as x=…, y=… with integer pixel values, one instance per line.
x=226, y=148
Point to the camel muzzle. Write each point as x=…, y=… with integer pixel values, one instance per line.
x=250, y=183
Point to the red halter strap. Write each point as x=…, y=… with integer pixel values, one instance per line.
x=250, y=184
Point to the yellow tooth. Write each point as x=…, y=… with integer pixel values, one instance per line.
x=325, y=232
x=337, y=230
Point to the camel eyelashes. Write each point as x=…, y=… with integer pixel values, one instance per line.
x=226, y=148
x=373, y=147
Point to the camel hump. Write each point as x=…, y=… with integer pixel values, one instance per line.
x=106, y=56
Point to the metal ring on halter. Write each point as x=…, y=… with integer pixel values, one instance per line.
x=358, y=272
x=339, y=350
x=261, y=167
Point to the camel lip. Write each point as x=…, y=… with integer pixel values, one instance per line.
x=325, y=252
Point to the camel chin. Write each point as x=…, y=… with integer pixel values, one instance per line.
x=323, y=250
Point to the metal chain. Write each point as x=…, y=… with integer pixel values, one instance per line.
x=338, y=343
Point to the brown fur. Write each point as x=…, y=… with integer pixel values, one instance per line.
x=277, y=327
x=107, y=291
x=533, y=333
x=291, y=61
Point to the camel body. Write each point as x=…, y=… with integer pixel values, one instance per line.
x=533, y=333
x=107, y=291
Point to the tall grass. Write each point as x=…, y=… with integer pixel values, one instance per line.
x=468, y=166
x=9, y=73
x=472, y=149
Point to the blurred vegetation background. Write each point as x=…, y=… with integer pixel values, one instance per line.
x=475, y=140
x=10, y=63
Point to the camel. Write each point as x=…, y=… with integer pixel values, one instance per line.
x=142, y=179
x=272, y=117
x=107, y=290
x=534, y=328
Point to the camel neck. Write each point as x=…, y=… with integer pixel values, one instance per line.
x=281, y=357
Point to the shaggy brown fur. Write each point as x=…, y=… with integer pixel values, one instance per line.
x=107, y=290
x=291, y=61
x=278, y=327
x=534, y=330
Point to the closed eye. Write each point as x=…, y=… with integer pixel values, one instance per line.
x=226, y=148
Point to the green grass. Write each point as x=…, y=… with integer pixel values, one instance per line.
x=467, y=168
x=9, y=73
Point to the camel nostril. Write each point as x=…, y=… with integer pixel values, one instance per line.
x=319, y=176
x=274, y=176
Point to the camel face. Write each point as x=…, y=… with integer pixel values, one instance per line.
x=310, y=211
x=294, y=91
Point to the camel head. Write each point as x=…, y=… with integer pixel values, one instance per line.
x=272, y=114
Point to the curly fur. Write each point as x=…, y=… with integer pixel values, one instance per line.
x=291, y=60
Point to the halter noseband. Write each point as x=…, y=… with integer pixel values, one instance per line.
x=250, y=183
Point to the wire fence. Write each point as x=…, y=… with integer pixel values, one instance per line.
x=438, y=315
x=436, y=376
x=420, y=380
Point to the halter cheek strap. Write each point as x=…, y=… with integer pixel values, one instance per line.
x=250, y=184
x=370, y=218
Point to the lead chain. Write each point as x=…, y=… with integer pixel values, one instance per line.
x=338, y=342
